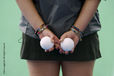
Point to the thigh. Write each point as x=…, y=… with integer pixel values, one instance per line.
x=43, y=68
x=73, y=68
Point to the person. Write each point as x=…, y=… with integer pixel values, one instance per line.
x=59, y=17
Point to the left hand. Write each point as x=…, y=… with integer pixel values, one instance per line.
x=72, y=35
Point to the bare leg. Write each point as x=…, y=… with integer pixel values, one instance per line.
x=43, y=68
x=73, y=68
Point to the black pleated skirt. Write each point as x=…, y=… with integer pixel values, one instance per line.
x=86, y=50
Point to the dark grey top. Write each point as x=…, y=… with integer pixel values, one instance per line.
x=60, y=15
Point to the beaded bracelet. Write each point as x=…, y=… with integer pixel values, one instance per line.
x=40, y=29
x=77, y=29
x=77, y=32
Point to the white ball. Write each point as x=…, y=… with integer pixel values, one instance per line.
x=67, y=44
x=46, y=43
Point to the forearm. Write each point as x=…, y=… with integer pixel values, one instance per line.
x=29, y=11
x=86, y=14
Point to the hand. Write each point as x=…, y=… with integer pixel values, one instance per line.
x=72, y=35
x=53, y=37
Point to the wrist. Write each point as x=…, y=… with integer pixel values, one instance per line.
x=77, y=32
x=76, y=28
x=40, y=29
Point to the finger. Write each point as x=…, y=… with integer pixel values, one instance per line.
x=51, y=49
x=46, y=50
x=72, y=50
x=75, y=43
x=56, y=43
x=56, y=40
x=41, y=36
x=61, y=51
x=52, y=39
x=66, y=52
x=57, y=46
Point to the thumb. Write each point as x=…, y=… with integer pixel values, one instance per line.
x=62, y=38
x=52, y=39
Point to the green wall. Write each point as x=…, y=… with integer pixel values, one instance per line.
x=10, y=35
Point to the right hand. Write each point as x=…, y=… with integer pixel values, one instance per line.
x=53, y=37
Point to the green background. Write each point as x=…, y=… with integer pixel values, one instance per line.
x=11, y=36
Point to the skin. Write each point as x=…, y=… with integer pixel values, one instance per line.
x=51, y=68
x=28, y=10
x=35, y=20
x=87, y=12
